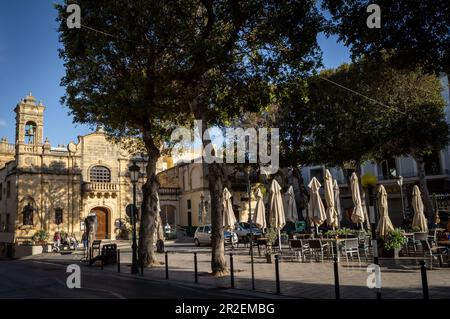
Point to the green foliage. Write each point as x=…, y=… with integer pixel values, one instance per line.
x=271, y=235
x=344, y=232
x=409, y=117
x=416, y=33
x=394, y=240
x=63, y=234
x=415, y=229
x=40, y=236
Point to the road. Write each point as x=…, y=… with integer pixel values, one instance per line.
x=42, y=279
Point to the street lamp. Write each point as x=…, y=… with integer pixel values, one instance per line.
x=249, y=190
x=400, y=183
x=202, y=208
x=370, y=181
x=134, y=176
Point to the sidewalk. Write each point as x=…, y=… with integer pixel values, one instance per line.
x=297, y=279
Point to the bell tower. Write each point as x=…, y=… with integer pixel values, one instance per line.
x=29, y=124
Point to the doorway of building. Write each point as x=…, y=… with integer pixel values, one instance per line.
x=102, y=222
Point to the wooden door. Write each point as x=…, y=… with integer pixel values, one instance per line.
x=102, y=222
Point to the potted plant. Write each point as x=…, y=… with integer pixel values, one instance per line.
x=271, y=236
x=415, y=229
x=393, y=243
x=40, y=237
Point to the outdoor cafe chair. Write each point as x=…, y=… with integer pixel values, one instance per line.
x=316, y=247
x=364, y=246
x=432, y=236
x=299, y=248
x=351, y=247
x=433, y=252
x=418, y=237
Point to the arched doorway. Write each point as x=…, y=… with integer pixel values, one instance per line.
x=168, y=214
x=102, y=222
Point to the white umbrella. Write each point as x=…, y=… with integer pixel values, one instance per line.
x=419, y=219
x=291, y=212
x=316, y=210
x=337, y=200
x=332, y=216
x=358, y=213
x=277, y=218
x=384, y=224
x=259, y=216
x=229, y=220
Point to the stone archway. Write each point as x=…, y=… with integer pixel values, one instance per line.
x=168, y=214
x=103, y=222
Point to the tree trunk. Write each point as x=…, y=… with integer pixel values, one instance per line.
x=424, y=187
x=214, y=173
x=159, y=233
x=149, y=204
x=301, y=193
x=215, y=180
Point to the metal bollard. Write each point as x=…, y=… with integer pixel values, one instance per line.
x=195, y=268
x=231, y=270
x=336, y=279
x=167, y=265
x=118, y=260
x=141, y=259
x=277, y=273
x=423, y=271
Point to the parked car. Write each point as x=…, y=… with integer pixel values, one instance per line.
x=202, y=236
x=244, y=229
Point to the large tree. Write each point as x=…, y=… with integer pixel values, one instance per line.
x=415, y=32
x=241, y=50
x=117, y=68
x=136, y=66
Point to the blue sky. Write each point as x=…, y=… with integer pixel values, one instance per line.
x=29, y=62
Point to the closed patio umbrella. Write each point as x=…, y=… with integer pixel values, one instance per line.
x=384, y=224
x=259, y=216
x=337, y=200
x=419, y=219
x=316, y=210
x=277, y=218
x=229, y=220
x=332, y=217
x=358, y=213
x=291, y=212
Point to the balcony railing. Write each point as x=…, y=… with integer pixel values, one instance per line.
x=169, y=192
x=100, y=187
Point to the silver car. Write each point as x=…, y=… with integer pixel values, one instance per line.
x=202, y=236
x=243, y=230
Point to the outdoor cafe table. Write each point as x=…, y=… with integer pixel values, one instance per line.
x=445, y=243
x=334, y=243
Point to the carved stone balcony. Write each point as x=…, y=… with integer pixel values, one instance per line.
x=100, y=187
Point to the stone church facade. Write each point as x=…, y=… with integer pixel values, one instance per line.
x=55, y=188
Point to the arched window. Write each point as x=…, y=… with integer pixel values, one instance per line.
x=30, y=132
x=100, y=174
